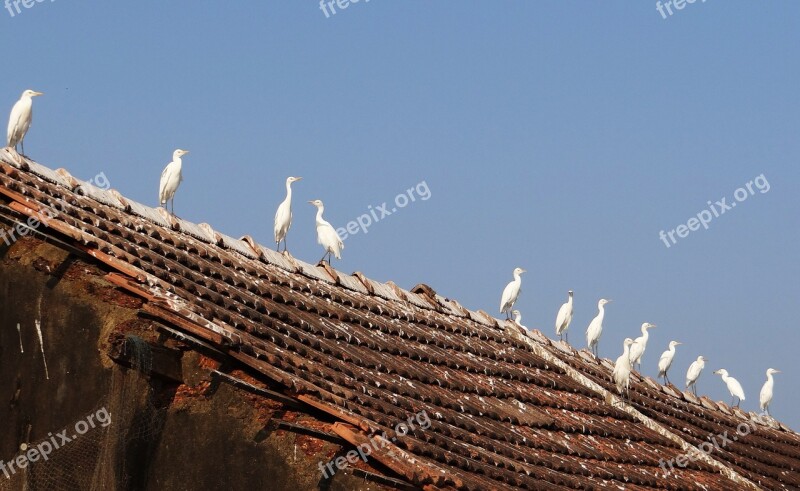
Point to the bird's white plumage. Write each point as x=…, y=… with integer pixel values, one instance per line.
x=171, y=178
x=595, y=328
x=518, y=318
x=326, y=234
x=666, y=359
x=622, y=367
x=511, y=292
x=564, y=317
x=283, y=216
x=734, y=387
x=765, y=397
x=695, y=369
x=20, y=118
x=640, y=344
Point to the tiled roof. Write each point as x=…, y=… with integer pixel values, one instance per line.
x=508, y=410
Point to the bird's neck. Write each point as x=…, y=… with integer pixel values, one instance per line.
x=569, y=301
x=517, y=278
x=288, y=192
x=320, y=220
x=178, y=162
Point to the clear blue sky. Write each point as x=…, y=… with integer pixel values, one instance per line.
x=556, y=136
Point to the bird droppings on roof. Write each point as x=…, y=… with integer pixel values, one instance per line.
x=508, y=409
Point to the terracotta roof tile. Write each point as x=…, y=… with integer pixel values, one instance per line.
x=507, y=409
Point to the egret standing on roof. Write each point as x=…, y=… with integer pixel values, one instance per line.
x=171, y=178
x=695, y=369
x=326, y=234
x=283, y=217
x=734, y=387
x=511, y=293
x=666, y=361
x=640, y=344
x=564, y=317
x=20, y=119
x=766, y=392
x=518, y=318
x=622, y=368
x=595, y=328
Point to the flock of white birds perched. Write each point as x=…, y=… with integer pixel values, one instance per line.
x=633, y=349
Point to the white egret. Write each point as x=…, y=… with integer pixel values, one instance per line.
x=622, y=368
x=511, y=293
x=694, y=371
x=640, y=345
x=564, y=317
x=595, y=328
x=518, y=318
x=171, y=178
x=766, y=391
x=326, y=234
x=283, y=217
x=20, y=119
x=666, y=361
x=734, y=387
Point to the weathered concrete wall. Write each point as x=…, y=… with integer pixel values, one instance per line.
x=181, y=431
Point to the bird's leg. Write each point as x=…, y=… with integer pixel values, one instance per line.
x=22, y=144
x=323, y=257
x=566, y=335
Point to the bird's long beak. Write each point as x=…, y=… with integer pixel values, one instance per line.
x=185, y=152
x=777, y=371
x=37, y=93
x=298, y=178
x=311, y=202
x=677, y=342
x=524, y=270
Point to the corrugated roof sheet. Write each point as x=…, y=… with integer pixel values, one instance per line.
x=508, y=410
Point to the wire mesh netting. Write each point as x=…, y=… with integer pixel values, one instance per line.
x=104, y=450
